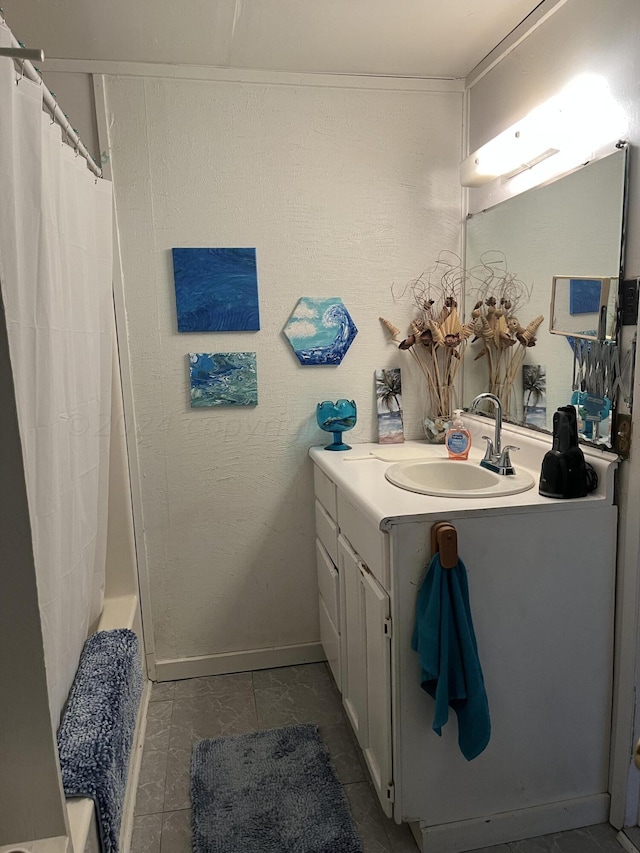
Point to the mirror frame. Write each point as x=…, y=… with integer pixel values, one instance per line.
x=620, y=145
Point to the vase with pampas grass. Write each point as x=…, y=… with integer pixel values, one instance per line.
x=436, y=338
x=502, y=341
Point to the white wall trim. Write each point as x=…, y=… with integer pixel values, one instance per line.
x=623, y=775
x=247, y=75
x=99, y=92
x=513, y=826
x=174, y=670
x=515, y=37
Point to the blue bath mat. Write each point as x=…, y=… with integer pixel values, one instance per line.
x=96, y=733
x=269, y=792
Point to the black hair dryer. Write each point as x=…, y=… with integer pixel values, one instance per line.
x=564, y=472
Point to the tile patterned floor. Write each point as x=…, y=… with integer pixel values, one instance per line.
x=182, y=712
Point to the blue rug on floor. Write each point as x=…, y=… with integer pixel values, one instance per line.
x=269, y=792
x=96, y=732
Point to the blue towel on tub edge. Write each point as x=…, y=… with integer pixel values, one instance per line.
x=448, y=653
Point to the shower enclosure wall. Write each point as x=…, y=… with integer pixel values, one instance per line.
x=66, y=535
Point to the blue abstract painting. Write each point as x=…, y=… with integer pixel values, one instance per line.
x=584, y=295
x=320, y=330
x=223, y=379
x=216, y=290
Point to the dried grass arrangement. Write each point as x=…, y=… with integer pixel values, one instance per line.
x=503, y=340
x=437, y=336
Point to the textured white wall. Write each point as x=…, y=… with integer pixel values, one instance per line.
x=342, y=192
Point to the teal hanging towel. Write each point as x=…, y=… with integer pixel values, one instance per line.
x=446, y=645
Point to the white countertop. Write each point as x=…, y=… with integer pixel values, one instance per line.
x=361, y=476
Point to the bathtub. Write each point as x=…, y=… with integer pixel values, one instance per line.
x=121, y=612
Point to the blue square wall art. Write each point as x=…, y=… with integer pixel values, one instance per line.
x=223, y=379
x=216, y=290
x=584, y=295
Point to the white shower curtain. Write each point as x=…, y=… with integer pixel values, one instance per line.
x=55, y=276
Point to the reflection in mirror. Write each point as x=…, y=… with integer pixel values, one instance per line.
x=570, y=228
x=583, y=308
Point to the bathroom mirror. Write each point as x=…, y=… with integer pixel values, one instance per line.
x=570, y=229
x=583, y=308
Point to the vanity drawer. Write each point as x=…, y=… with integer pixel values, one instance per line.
x=366, y=539
x=330, y=640
x=325, y=491
x=328, y=583
x=327, y=531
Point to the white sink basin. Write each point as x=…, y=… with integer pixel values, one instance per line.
x=453, y=478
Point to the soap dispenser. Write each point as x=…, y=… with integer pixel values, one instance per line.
x=458, y=438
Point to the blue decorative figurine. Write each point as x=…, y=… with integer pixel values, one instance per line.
x=336, y=418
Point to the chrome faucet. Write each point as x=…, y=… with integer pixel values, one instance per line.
x=495, y=458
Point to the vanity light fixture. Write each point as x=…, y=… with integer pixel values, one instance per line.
x=511, y=152
x=577, y=121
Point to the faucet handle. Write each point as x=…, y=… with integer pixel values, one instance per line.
x=489, y=452
x=505, y=460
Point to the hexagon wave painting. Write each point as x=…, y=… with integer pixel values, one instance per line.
x=320, y=331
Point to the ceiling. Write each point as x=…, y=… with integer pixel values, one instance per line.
x=415, y=38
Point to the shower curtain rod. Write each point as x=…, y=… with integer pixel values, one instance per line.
x=22, y=55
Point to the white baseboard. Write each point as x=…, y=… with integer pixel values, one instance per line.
x=513, y=826
x=174, y=670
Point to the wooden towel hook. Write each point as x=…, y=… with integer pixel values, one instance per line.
x=444, y=540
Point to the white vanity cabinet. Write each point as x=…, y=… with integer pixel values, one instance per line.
x=541, y=584
x=355, y=631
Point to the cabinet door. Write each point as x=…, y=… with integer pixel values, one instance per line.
x=366, y=676
x=353, y=629
x=377, y=752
